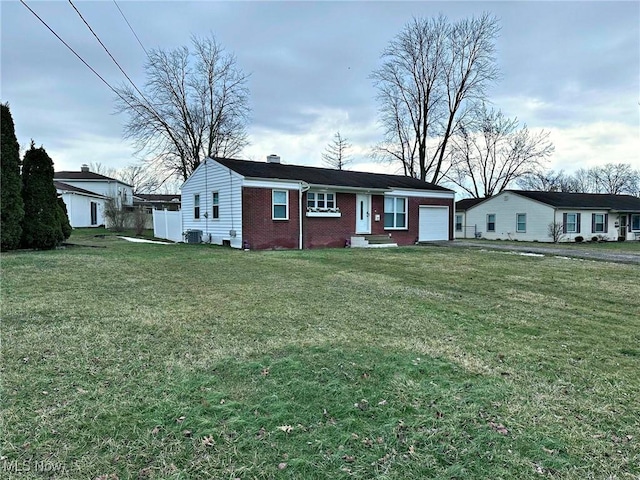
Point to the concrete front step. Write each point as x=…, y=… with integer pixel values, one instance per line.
x=372, y=241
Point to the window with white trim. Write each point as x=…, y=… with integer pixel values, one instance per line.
x=215, y=202
x=521, y=222
x=491, y=222
x=458, y=223
x=571, y=223
x=598, y=223
x=321, y=201
x=280, y=204
x=395, y=212
x=196, y=206
x=635, y=223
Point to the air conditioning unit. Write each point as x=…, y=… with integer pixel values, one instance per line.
x=194, y=236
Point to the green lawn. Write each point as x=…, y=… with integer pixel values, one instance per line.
x=182, y=361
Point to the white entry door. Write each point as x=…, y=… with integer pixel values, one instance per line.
x=363, y=213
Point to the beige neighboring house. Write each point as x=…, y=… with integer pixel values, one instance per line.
x=86, y=193
x=526, y=215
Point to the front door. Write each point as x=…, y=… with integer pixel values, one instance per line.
x=622, y=231
x=363, y=213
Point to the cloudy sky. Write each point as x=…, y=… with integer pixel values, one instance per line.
x=571, y=68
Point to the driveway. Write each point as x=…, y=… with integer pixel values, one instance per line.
x=630, y=258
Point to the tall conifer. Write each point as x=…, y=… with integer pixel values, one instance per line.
x=11, y=205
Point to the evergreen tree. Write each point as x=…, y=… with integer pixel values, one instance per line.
x=11, y=203
x=63, y=217
x=41, y=227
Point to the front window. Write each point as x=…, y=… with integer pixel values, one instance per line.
x=571, y=223
x=196, y=206
x=215, y=201
x=521, y=222
x=321, y=201
x=395, y=212
x=458, y=223
x=598, y=223
x=491, y=222
x=635, y=222
x=280, y=205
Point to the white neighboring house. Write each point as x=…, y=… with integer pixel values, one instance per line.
x=526, y=216
x=461, y=228
x=86, y=193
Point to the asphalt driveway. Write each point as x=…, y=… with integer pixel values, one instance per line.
x=631, y=258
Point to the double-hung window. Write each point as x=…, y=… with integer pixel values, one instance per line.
x=599, y=223
x=521, y=222
x=395, y=212
x=458, y=223
x=491, y=222
x=215, y=202
x=196, y=206
x=280, y=205
x=571, y=223
x=635, y=223
x=321, y=201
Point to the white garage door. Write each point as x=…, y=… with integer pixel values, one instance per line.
x=433, y=224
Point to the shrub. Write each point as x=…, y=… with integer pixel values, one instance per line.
x=63, y=218
x=41, y=226
x=579, y=239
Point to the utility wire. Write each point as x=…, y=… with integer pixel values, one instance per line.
x=130, y=27
x=72, y=50
x=106, y=50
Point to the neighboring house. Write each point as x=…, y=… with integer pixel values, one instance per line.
x=527, y=215
x=260, y=205
x=85, y=194
x=84, y=208
x=461, y=228
x=156, y=201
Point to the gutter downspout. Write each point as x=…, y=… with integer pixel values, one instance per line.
x=303, y=188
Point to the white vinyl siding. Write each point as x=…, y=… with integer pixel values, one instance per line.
x=229, y=189
x=538, y=218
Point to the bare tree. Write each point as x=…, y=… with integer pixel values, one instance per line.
x=555, y=230
x=491, y=154
x=194, y=105
x=616, y=179
x=335, y=155
x=548, y=181
x=432, y=73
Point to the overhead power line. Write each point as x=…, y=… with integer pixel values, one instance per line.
x=70, y=48
x=105, y=48
x=130, y=27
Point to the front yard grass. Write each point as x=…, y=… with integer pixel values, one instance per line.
x=190, y=362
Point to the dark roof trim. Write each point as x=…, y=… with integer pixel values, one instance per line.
x=583, y=201
x=65, y=187
x=87, y=177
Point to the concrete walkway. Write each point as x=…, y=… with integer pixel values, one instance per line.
x=631, y=258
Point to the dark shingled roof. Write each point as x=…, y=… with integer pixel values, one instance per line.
x=153, y=197
x=325, y=176
x=85, y=176
x=621, y=203
x=467, y=203
x=70, y=188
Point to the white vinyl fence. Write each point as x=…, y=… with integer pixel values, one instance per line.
x=168, y=224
